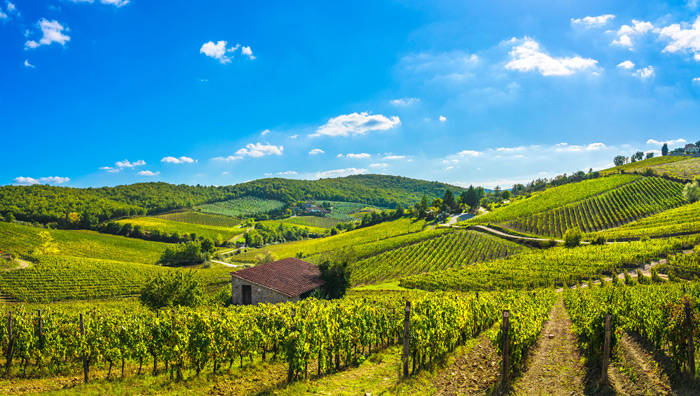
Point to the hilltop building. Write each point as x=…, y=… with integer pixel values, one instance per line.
x=691, y=149
x=279, y=281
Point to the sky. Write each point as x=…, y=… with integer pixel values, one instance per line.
x=107, y=92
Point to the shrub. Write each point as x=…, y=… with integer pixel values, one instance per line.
x=572, y=237
x=172, y=289
x=599, y=240
x=336, y=275
x=691, y=192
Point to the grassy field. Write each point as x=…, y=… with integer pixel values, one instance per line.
x=19, y=239
x=450, y=250
x=640, y=166
x=153, y=223
x=199, y=218
x=242, y=207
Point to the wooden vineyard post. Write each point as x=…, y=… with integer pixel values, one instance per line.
x=290, y=371
x=406, y=333
x=691, y=345
x=86, y=364
x=606, y=350
x=10, y=345
x=505, y=369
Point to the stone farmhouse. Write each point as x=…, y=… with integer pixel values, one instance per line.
x=285, y=280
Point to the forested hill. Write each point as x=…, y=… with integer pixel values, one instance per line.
x=46, y=204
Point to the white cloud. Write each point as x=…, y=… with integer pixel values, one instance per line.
x=265, y=132
x=25, y=181
x=356, y=124
x=227, y=159
x=358, y=156
x=127, y=164
x=381, y=165
x=443, y=118
x=669, y=142
x=294, y=136
x=510, y=149
x=27, y=64
x=469, y=153
x=527, y=56
x=645, y=73
x=180, y=160
x=3, y=16
x=287, y=173
x=696, y=80
x=565, y=147
x=394, y=157
x=116, y=3
x=254, y=150
x=247, y=52
x=404, y=101
x=110, y=169
x=340, y=172
x=52, y=33
x=225, y=173
x=316, y=151
x=626, y=65
x=683, y=40
x=591, y=22
x=217, y=51
x=11, y=7
x=626, y=32
x=148, y=173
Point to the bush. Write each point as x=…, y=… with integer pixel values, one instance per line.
x=265, y=257
x=172, y=289
x=691, y=192
x=183, y=254
x=599, y=240
x=572, y=237
x=336, y=275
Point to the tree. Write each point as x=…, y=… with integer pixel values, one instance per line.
x=207, y=245
x=691, y=192
x=649, y=155
x=265, y=257
x=448, y=201
x=572, y=237
x=182, y=254
x=172, y=289
x=639, y=155
x=336, y=275
x=471, y=198
x=619, y=160
x=47, y=244
x=664, y=149
x=399, y=211
x=505, y=194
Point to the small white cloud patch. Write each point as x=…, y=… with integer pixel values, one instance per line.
x=52, y=32
x=645, y=73
x=316, y=151
x=26, y=181
x=178, y=160
x=148, y=173
x=265, y=132
x=27, y=64
x=340, y=172
x=127, y=164
x=593, y=22
x=381, y=165
x=356, y=124
x=527, y=56
x=683, y=40
x=469, y=153
x=626, y=32
x=443, y=118
x=358, y=156
x=403, y=102
x=626, y=65
x=669, y=142
x=220, y=51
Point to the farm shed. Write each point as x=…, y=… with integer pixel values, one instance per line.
x=279, y=281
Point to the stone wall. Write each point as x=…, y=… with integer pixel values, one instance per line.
x=259, y=293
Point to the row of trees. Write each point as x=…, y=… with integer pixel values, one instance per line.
x=620, y=160
x=136, y=231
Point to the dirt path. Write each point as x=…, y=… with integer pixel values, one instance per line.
x=554, y=366
x=475, y=372
x=636, y=372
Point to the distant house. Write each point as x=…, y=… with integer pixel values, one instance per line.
x=279, y=281
x=690, y=148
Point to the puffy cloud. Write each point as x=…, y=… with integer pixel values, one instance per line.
x=669, y=142
x=645, y=73
x=25, y=181
x=469, y=153
x=180, y=160
x=357, y=156
x=247, y=52
x=696, y=80
x=11, y=7
x=27, y=64
x=52, y=32
x=626, y=65
x=316, y=151
x=565, y=147
x=258, y=150
x=593, y=22
x=626, y=32
x=356, y=124
x=683, y=40
x=127, y=164
x=442, y=118
x=340, y=172
x=148, y=173
x=110, y=169
x=381, y=165
x=527, y=56
x=3, y=16
x=217, y=51
x=402, y=102
x=286, y=173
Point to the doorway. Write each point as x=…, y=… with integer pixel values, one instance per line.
x=247, y=295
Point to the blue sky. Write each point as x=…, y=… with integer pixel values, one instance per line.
x=107, y=92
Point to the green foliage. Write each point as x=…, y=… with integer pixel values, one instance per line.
x=619, y=160
x=265, y=257
x=336, y=273
x=691, y=192
x=199, y=218
x=172, y=289
x=187, y=253
x=242, y=207
x=599, y=240
x=313, y=221
x=664, y=149
x=158, y=227
x=682, y=220
x=572, y=237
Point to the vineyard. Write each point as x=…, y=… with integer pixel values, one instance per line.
x=551, y=267
x=628, y=203
x=167, y=226
x=20, y=239
x=308, y=336
x=199, y=218
x=449, y=250
x=288, y=224
x=350, y=211
x=678, y=221
x=656, y=312
x=641, y=166
x=241, y=207
x=54, y=278
x=313, y=221
x=554, y=198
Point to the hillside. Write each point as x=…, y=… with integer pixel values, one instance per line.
x=679, y=167
x=46, y=204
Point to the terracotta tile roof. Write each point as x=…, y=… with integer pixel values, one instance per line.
x=290, y=276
